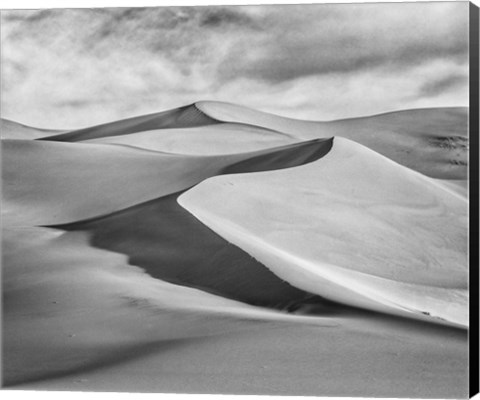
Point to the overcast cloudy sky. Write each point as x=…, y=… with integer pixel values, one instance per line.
x=74, y=68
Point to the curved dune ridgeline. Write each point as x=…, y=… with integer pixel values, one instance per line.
x=431, y=141
x=183, y=117
x=14, y=130
x=170, y=244
x=101, y=179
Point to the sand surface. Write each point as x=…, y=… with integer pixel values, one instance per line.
x=222, y=138
x=217, y=249
x=101, y=179
x=337, y=227
x=14, y=130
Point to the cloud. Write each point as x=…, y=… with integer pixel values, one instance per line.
x=221, y=17
x=444, y=84
x=77, y=67
x=337, y=38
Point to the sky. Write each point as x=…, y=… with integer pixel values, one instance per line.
x=71, y=68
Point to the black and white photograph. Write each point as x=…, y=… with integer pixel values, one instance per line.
x=263, y=199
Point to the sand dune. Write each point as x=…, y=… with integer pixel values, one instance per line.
x=431, y=141
x=190, y=254
x=61, y=289
x=175, y=238
x=14, y=130
x=459, y=186
x=79, y=318
x=182, y=117
x=337, y=227
x=222, y=138
x=101, y=179
x=89, y=308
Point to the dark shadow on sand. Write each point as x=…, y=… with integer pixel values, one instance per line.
x=170, y=244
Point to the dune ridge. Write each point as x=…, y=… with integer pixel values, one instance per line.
x=35, y=193
x=191, y=254
x=182, y=117
x=223, y=269
x=14, y=130
x=431, y=141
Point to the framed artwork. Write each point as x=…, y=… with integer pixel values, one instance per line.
x=252, y=199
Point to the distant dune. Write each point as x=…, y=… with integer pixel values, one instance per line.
x=221, y=138
x=431, y=141
x=183, y=117
x=14, y=130
x=214, y=248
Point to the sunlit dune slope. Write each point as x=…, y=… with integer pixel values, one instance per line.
x=222, y=138
x=46, y=183
x=14, y=130
x=353, y=226
x=459, y=186
x=182, y=117
x=431, y=141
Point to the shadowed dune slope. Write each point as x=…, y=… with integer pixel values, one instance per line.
x=171, y=244
x=353, y=227
x=14, y=130
x=71, y=308
x=187, y=116
x=46, y=183
x=431, y=141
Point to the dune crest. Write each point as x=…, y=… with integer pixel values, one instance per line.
x=14, y=130
x=431, y=141
x=182, y=117
x=102, y=179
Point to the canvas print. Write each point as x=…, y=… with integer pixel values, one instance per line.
x=264, y=199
